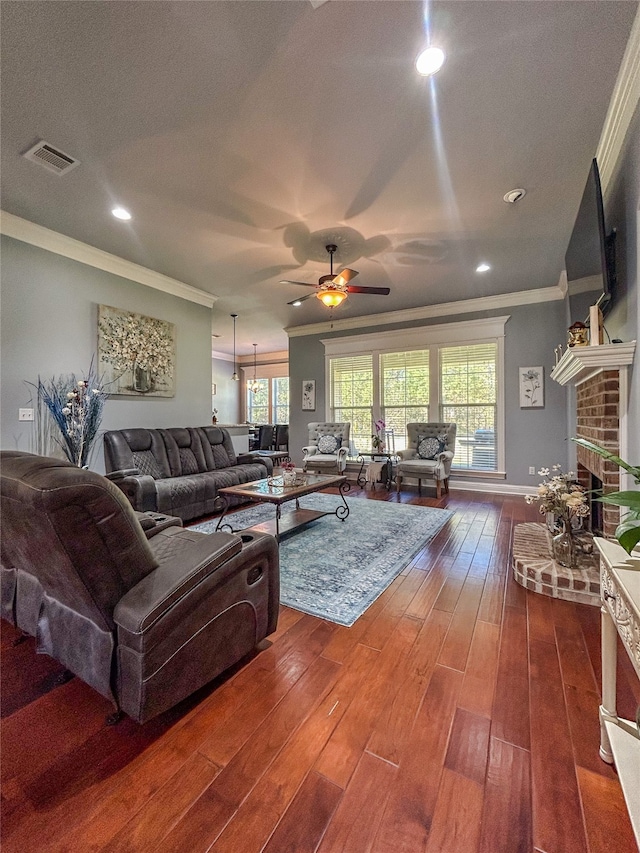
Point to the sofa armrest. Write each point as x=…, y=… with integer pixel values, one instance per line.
x=194, y=556
x=445, y=460
x=140, y=490
x=245, y=458
x=405, y=455
x=124, y=472
x=310, y=450
x=153, y=522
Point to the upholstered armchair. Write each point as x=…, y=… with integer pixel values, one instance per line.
x=328, y=448
x=429, y=454
x=146, y=620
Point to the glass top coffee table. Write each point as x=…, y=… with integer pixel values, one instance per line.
x=273, y=491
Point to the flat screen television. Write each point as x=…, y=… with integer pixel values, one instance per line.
x=590, y=255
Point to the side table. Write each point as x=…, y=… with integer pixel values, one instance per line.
x=386, y=474
x=620, y=615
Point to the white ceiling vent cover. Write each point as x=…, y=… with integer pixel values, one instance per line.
x=51, y=158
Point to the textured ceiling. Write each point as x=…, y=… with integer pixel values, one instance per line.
x=244, y=136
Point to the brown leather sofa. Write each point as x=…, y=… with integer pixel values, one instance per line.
x=145, y=621
x=178, y=471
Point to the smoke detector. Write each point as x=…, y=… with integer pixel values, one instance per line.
x=514, y=195
x=51, y=158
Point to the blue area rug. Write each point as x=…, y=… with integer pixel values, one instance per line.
x=335, y=569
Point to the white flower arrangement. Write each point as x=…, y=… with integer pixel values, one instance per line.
x=561, y=495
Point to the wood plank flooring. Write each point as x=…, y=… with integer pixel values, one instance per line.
x=458, y=715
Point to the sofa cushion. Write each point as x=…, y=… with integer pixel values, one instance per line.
x=146, y=463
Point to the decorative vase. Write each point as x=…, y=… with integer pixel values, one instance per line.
x=289, y=478
x=142, y=380
x=214, y=420
x=564, y=547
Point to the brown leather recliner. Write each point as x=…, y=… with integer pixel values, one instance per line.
x=146, y=622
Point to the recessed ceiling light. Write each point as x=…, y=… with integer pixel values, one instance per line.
x=430, y=61
x=121, y=213
x=483, y=267
x=514, y=195
x=296, y=304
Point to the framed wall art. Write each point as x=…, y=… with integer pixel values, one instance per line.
x=137, y=354
x=531, y=384
x=308, y=395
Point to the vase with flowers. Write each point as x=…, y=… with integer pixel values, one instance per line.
x=288, y=474
x=561, y=496
x=377, y=438
x=75, y=407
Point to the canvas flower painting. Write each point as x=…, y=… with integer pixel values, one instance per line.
x=136, y=353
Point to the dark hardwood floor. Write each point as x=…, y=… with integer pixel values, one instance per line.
x=459, y=714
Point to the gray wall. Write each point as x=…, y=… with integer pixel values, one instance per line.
x=227, y=398
x=49, y=327
x=533, y=436
x=622, y=206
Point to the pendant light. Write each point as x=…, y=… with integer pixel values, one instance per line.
x=253, y=385
x=234, y=376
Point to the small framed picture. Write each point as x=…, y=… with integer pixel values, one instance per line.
x=531, y=386
x=308, y=395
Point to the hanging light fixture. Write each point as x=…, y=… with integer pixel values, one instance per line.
x=234, y=375
x=253, y=385
x=332, y=291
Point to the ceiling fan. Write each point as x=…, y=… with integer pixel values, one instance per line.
x=332, y=289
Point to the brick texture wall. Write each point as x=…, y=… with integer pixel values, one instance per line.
x=597, y=415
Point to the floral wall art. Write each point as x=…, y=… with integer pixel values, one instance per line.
x=136, y=353
x=531, y=387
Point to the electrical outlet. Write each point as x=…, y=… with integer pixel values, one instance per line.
x=25, y=414
x=532, y=469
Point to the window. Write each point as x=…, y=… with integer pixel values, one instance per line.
x=351, y=396
x=270, y=403
x=468, y=395
x=404, y=387
x=449, y=372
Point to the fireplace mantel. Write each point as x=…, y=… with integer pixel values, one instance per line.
x=578, y=363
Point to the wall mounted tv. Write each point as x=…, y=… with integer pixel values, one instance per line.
x=590, y=256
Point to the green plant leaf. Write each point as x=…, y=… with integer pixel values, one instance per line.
x=611, y=457
x=628, y=534
x=628, y=499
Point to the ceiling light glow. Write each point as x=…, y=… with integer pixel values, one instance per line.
x=296, y=304
x=483, y=267
x=430, y=61
x=121, y=213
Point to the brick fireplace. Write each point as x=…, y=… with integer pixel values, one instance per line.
x=597, y=419
x=599, y=374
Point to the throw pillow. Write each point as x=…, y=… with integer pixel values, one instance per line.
x=430, y=446
x=329, y=443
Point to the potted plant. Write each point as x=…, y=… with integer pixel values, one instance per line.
x=628, y=531
x=560, y=495
x=288, y=473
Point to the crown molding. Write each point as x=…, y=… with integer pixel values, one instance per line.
x=443, y=309
x=60, y=244
x=624, y=99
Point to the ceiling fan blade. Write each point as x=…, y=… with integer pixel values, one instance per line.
x=301, y=299
x=303, y=283
x=344, y=276
x=383, y=291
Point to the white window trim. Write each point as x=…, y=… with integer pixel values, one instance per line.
x=490, y=330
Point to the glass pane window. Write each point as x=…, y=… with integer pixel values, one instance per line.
x=404, y=385
x=468, y=396
x=258, y=403
x=351, y=396
x=280, y=400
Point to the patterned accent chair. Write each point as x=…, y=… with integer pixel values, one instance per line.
x=429, y=454
x=328, y=448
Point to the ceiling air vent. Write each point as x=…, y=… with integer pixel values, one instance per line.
x=51, y=158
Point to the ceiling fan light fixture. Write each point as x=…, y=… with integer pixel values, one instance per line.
x=430, y=61
x=331, y=297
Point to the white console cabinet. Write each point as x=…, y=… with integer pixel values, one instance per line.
x=619, y=738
